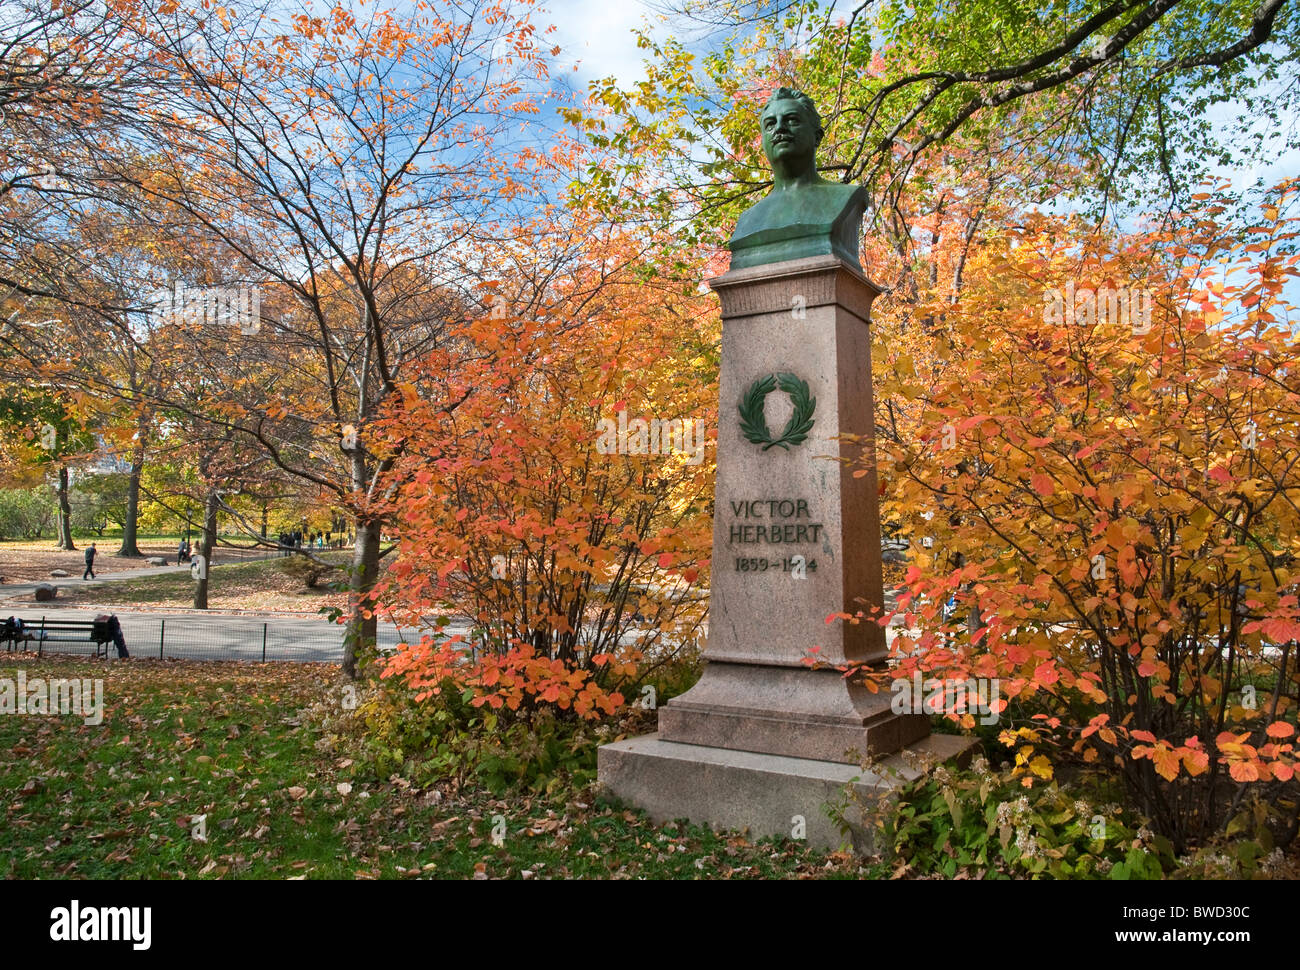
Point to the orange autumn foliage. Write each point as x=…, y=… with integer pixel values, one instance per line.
x=576, y=569
x=1114, y=500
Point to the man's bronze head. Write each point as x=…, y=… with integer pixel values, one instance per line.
x=792, y=130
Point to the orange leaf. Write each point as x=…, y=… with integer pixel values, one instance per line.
x=1195, y=762
x=1166, y=763
x=1244, y=771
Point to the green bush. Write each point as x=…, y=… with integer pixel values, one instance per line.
x=26, y=512
x=446, y=741
x=985, y=824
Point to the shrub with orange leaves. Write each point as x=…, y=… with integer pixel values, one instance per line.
x=1114, y=497
x=573, y=554
x=510, y=679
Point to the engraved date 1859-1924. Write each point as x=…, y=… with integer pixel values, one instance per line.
x=791, y=564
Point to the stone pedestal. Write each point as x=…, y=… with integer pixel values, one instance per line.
x=796, y=539
x=777, y=503
x=767, y=795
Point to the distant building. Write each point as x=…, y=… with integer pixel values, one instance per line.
x=106, y=461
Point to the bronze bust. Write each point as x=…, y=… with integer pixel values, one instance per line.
x=804, y=214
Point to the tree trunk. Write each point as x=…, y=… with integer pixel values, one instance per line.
x=65, y=511
x=205, y=550
x=129, y=548
x=265, y=520
x=361, y=630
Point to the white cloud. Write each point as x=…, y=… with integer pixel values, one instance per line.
x=597, y=36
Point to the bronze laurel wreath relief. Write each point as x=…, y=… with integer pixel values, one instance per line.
x=753, y=425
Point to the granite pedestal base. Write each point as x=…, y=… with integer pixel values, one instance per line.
x=799, y=713
x=763, y=794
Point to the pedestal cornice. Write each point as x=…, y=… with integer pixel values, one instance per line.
x=772, y=288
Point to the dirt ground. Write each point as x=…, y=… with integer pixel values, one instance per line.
x=32, y=561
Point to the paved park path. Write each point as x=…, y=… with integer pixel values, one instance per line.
x=196, y=634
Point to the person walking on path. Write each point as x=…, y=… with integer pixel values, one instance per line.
x=90, y=562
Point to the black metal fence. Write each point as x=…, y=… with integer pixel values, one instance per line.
x=214, y=638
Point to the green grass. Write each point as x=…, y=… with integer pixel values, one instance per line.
x=237, y=743
x=151, y=589
x=250, y=585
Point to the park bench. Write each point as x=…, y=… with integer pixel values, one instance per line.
x=57, y=631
